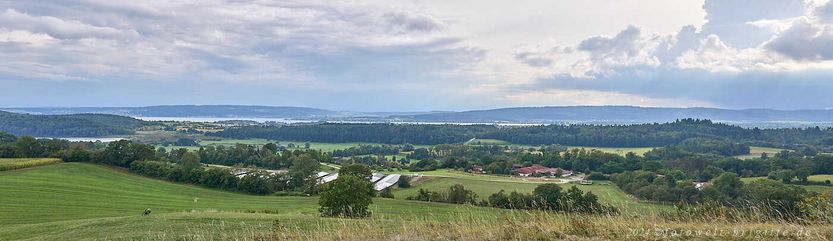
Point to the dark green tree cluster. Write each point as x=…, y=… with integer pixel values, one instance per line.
x=550, y=197
x=367, y=150
x=77, y=125
x=637, y=135
x=266, y=156
x=455, y=194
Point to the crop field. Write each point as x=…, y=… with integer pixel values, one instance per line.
x=820, y=178
x=20, y=163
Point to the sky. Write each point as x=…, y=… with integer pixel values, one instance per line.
x=418, y=55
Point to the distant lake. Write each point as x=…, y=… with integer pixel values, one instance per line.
x=87, y=139
x=216, y=119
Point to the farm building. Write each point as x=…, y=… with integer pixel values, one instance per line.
x=537, y=169
x=376, y=177
x=328, y=178
x=477, y=169
x=386, y=182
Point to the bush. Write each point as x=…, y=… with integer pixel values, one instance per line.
x=386, y=193
x=597, y=176
x=405, y=182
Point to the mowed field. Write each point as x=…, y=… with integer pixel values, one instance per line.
x=86, y=201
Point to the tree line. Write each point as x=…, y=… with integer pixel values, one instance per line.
x=636, y=135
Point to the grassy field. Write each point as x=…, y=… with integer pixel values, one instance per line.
x=76, y=201
x=820, y=178
x=76, y=197
x=487, y=142
x=618, y=150
x=756, y=151
x=20, y=163
x=323, y=146
x=485, y=185
x=614, y=150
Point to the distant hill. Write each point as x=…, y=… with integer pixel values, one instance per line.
x=190, y=111
x=75, y=125
x=621, y=114
x=535, y=115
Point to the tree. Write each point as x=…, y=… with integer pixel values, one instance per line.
x=357, y=170
x=303, y=167
x=190, y=161
x=458, y=194
x=549, y=195
x=728, y=186
x=28, y=146
x=347, y=196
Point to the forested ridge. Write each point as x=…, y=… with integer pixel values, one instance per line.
x=637, y=135
x=76, y=125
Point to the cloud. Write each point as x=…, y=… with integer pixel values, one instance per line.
x=26, y=37
x=733, y=20
x=805, y=41
x=57, y=27
x=594, y=97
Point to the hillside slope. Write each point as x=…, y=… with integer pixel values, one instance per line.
x=82, y=201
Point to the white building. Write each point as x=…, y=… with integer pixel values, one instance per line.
x=386, y=182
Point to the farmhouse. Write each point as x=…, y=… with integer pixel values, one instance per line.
x=476, y=169
x=537, y=169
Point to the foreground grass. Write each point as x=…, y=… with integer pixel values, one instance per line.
x=20, y=163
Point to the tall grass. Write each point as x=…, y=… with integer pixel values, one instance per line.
x=7, y=164
x=516, y=225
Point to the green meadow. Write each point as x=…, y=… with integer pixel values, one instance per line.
x=82, y=201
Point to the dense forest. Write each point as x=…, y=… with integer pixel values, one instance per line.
x=378, y=133
x=637, y=135
x=77, y=125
